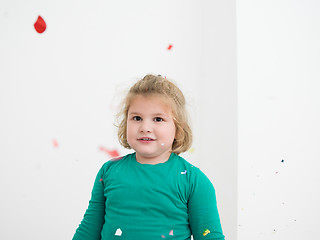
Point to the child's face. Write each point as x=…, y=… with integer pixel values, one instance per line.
x=150, y=129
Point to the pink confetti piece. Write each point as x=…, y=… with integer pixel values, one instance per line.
x=169, y=47
x=171, y=233
x=163, y=236
x=40, y=25
x=55, y=143
x=113, y=107
x=113, y=153
x=101, y=180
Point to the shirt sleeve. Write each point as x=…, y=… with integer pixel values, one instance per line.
x=93, y=220
x=202, y=209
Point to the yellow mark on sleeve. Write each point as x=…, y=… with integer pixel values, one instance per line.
x=205, y=232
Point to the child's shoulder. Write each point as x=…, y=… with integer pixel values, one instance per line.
x=197, y=179
x=115, y=162
x=193, y=170
x=188, y=166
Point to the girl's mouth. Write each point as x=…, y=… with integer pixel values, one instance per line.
x=146, y=139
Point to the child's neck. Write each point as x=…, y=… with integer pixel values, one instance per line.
x=153, y=160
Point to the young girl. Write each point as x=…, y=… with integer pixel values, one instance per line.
x=152, y=193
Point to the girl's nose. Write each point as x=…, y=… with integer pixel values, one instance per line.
x=145, y=127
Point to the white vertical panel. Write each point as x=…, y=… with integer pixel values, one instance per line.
x=279, y=115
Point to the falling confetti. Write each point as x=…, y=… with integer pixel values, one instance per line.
x=55, y=143
x=171, y=233
x=113, y=107
x=101, y=180
x=118, y=232
x=40, y=25
x=113, y=153
x=116, y=159
x=185, y=172
x=205, y=232
x=282, y=160
x=163, y=236
x=191, y=150
x=169, y=47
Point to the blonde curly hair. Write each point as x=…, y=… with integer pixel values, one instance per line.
x=152, y=85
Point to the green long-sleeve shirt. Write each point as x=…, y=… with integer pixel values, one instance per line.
x=134, y=201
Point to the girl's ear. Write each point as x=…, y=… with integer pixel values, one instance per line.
x=176, y=135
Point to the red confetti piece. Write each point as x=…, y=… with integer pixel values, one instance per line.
x=101, y=180
x=113, y=153
x=169, y=47
x=40, y=25
x=55, y=143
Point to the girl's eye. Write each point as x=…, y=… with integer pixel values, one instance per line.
x=158, y=119
x=137, y=118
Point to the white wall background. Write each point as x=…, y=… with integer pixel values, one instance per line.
x=278, y=60
x=66, y=83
